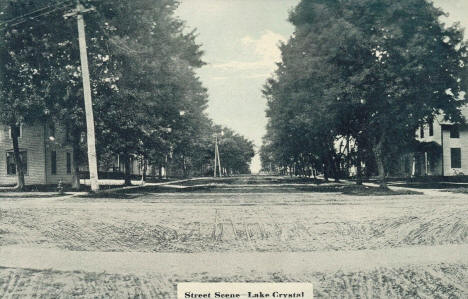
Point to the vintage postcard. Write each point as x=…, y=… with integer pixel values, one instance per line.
x=233, y=149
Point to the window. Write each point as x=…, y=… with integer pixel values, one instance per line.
x=19, y=131
x=455, y=157
x=68, y=163
x=431, y=128
x=454, y=132
x=11, y=165
x=421, y=131
x=53, y=162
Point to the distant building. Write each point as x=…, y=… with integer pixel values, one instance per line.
x=114, y=165
x=444, y=151
x=45, y=150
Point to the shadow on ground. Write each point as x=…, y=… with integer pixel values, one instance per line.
x=253, y=184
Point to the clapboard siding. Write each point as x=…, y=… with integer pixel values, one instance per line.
x=32, y=141
x=436, y=167
x=36, y=141
x=61, y=146
x=461, y=143
x=442, y=137
x=61, y=156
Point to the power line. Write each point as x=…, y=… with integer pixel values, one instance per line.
x=25, y=18
x=43, y=14
x=32, y=12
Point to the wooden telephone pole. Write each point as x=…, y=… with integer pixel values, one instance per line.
x=91, y=139
x=217, y=161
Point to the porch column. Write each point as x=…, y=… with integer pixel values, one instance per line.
x=425, y=162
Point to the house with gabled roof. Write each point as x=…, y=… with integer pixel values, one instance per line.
x=45, y=150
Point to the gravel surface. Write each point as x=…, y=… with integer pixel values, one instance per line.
x=235, y=222
x=436, y=281
x=239, y=223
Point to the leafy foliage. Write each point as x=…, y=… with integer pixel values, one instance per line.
x=148, y=102
x=369, y=70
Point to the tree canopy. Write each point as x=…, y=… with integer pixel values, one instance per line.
x=368, y=71
x=147, y=99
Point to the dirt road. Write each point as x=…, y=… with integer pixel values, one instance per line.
x=229, y=263
x=349, y=246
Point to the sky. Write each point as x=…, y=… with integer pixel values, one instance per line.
x=240, y=39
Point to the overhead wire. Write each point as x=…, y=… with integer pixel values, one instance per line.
x=25, y=18
x=32, y=12
x=40, y=15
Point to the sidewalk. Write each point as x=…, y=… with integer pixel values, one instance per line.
x=138, y=184
x=221, y=263
x=68, y=194
x=433, y=192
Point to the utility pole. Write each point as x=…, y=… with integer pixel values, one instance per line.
x=216, y=155
x=217, y=161
x=91, y=139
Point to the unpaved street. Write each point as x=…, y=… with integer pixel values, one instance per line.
x=349, y=246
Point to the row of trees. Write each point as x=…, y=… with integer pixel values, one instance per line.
x=148, y=101
x=363, y=74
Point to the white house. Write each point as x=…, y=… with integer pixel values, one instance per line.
x=453, y=141
x=45, y=150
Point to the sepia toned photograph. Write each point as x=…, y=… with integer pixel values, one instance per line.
x=233, y=149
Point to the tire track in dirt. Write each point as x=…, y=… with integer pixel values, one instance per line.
x=12, y=282
x=237, y=229
x=432, y=281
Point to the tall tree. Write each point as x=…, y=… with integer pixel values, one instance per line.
x=383, y=67
x=148, y=101
x=45, y=45
x=156, y=85
x=25, y=52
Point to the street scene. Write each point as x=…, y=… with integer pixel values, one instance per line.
x=150, y=143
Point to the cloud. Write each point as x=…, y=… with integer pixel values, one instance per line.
x=256, y=76
x=204, y=7
x=266, y=46
x=241, y=65
x=265, y=49
x=219, y=78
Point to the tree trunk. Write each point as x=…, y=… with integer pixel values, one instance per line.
x=76, y=161
x=160, y=176
x=325, y=172
x=331, y=166
x=145, y=168
x=379, y=159
x=15, y=130
x=336, y=167
x=358, y=169
x=127, y=174
x=184, y=166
